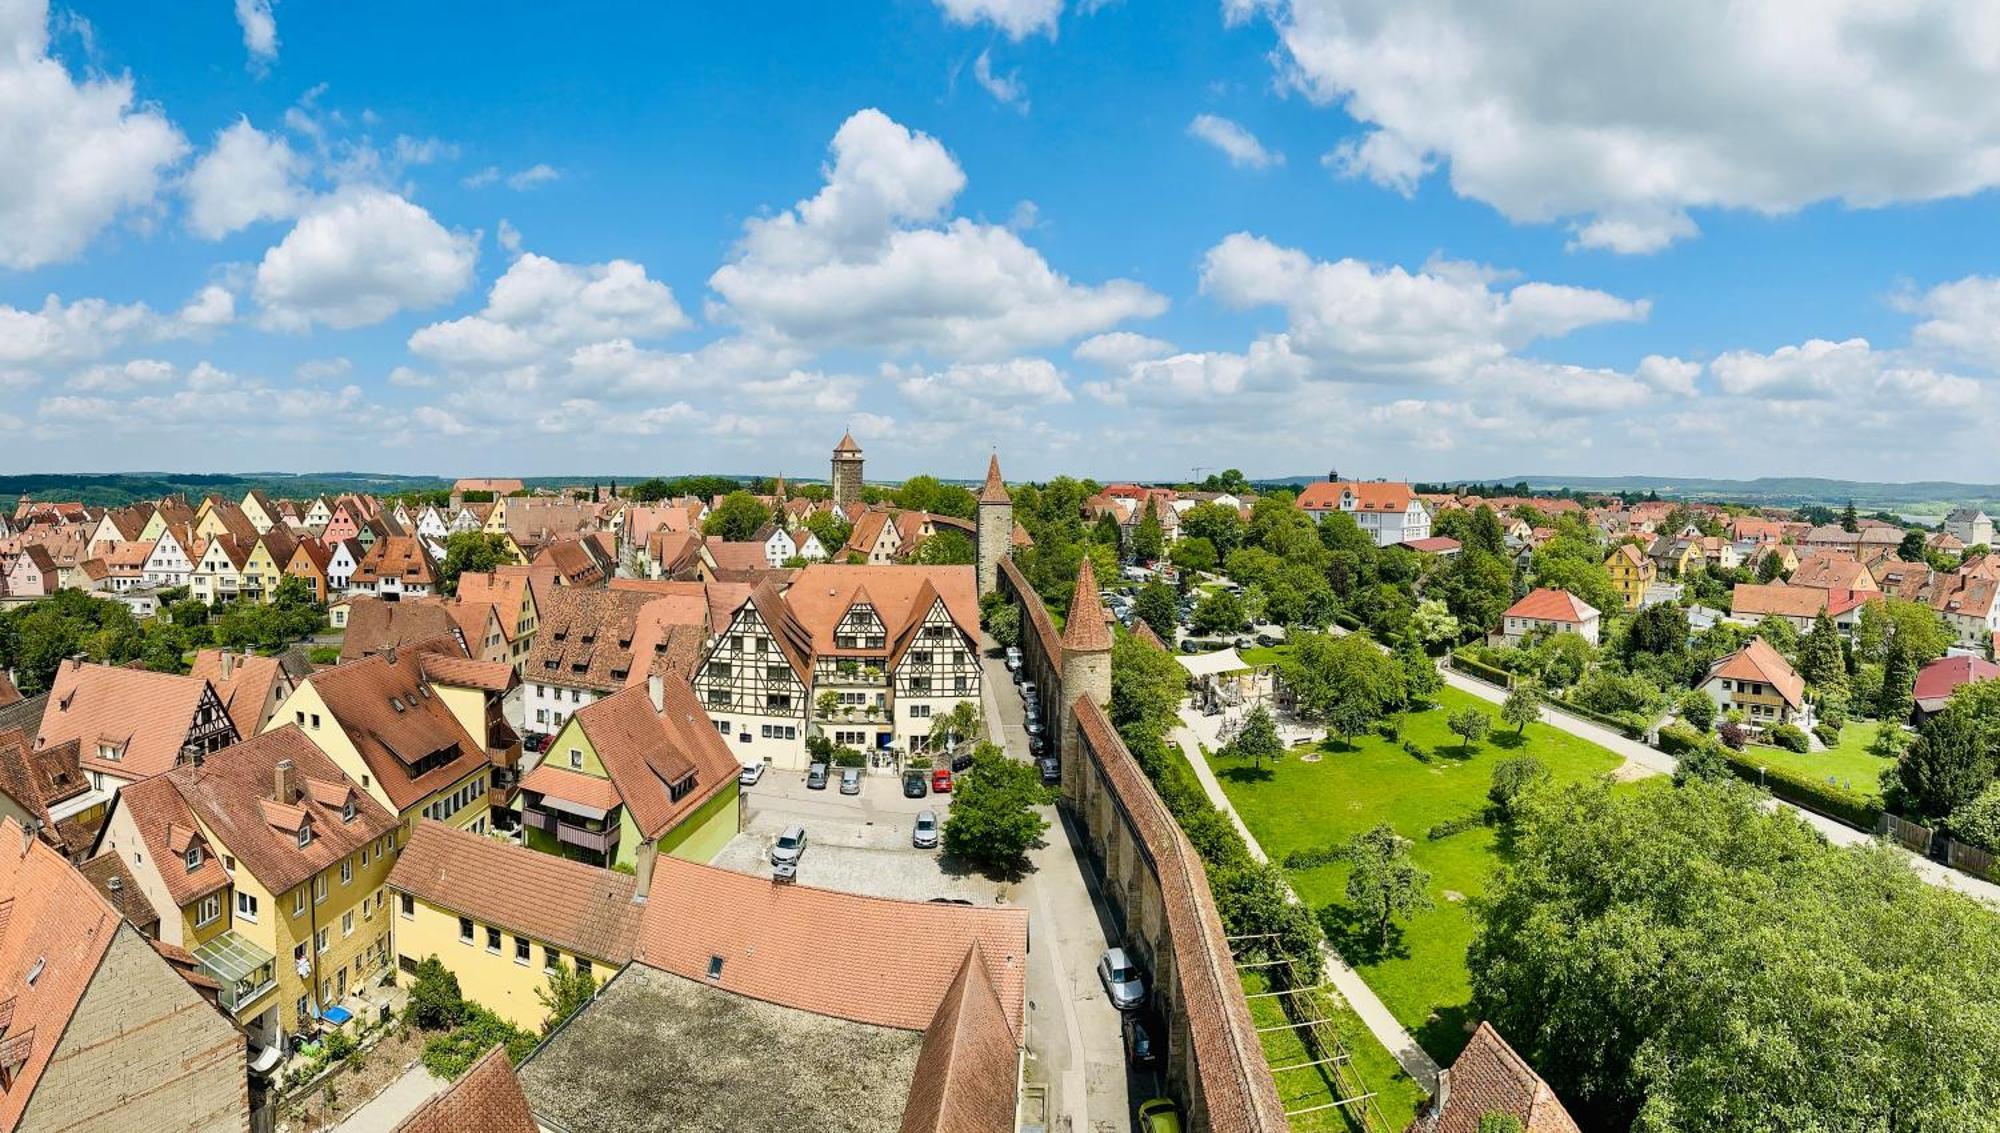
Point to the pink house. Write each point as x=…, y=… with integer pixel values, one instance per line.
x=34, y=573
x=343, y=525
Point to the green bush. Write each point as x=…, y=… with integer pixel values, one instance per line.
x=1791, y=737
x=1808, y=791
x=436, y=1004
x=324, y=655
x=452, y=1054
x=1465, y=662
x=1829, y=734
x=1457, y=825
x=1387, y=730
x=1314, y=857
x=1679, y=739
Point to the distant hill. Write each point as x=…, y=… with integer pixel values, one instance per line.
x=1922, y=497
x=119, y=488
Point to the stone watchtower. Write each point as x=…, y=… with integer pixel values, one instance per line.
x=846, y=477
x=1086, y=666
x=996, y=527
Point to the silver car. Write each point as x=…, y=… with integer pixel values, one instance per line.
x=850, y=781
x=1123, y=982
x=924, y=835
x=790, y=847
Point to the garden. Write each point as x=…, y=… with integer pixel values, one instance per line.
x=1425, y=780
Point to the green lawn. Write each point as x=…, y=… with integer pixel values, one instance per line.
x=1265, y=654
x=1372, y=1066
x=1421, y=973
x=1848, y=762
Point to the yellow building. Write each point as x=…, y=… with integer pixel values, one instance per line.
x=420, y=728
x=264, y=567
x=501, y=917
x=641, y=767
x=1631, y=572
x=267, y=863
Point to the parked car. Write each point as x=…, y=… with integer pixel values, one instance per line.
x=1013, y=658
x=941, y=780
x=1051, y=769
x=1266, y=640
x=1028, y=690
x=850, y=781
x=790, y=847
x=1142, y=1048
x=914, y=785
x=1122, y=979
x=1159, y=1115
x=924, y=835
x=751, y=773
x=961, y=763
x=816, y=777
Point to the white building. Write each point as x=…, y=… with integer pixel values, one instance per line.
x=1389, y=513
x=1553, y=611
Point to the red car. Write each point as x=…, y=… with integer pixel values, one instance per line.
x=941, y=781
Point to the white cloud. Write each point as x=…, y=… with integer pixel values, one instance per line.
x=1238, y=144
x=1355, y=321
x=247, y=176
x=260, y=30
x=1018, y=18
x=869, y=261
x=358, y=257
x=1811, y=369
x=321, y=369
x=541, y=306
x=120, y=377
x=962, y=388
x=62, y=334
x=1121, y=348
x=1621, y=119
x=508, y=236
x=73, y=156
x=481, y=178
x=1961, y=318
x=537, y=174
x=1007, y=88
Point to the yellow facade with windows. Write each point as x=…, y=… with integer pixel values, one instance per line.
x=497, y=968
x=331, y=934
x=462, y=803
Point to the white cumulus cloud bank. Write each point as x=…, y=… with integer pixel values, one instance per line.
x=1621, y=118
x=359, y=256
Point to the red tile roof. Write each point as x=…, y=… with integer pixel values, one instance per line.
x=487, y=1099
x=1086, y=630
x=465, y=672
x=1489, y=1077
x=385, y=707
x=578, y=908
x=1369, y=496
x=1757, y=661
x=594, y=791
x=647, y=752
x=968, y=1065
x=794, y=945
x=1550, y=605
x=1942, y=677
x=245, y=690
x=146, y=715
x=994, y=491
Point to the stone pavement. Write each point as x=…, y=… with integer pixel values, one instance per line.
x=1197, y=729
x=384, y=1110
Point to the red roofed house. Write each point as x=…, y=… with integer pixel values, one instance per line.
x=1944, y=676
x=1547, y=610
x=1390, y=513
x=97, y=1030
x=133, y=724
x=1757, y=680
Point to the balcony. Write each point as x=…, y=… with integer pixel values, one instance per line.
x=575, y=834
x=246, y=972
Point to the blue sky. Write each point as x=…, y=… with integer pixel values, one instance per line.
x=1427, y=239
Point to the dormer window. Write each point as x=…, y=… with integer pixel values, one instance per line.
x=192, y=858
x=347, y=811
x=305, y=834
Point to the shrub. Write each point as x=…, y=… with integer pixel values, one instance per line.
x=1697, y=709
x=1314, y=857
x=1421, y=756
x=324, y=655
x=436, y=1004
x=1679, y=739
x=337, y=1045
x=1978, y=821
x=1704, y=762
x=1465, y=662
x=1829, y=734
x=1512, y=778
x=1791, y=738
x=1387, y=730
x=452, y=1054
x=1452, y=826
x=1735, y=735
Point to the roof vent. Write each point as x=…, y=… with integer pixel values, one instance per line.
x=114, y=883
x=35, y=970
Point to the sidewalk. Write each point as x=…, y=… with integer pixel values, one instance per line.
x=1659, y=762
x=1196, y=730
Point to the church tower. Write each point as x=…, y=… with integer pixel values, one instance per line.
x=995, y=527
x=846, y=476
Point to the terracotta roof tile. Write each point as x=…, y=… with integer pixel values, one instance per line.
x=1758, y=661
x=112, y=879
x=647, y=752
x=578, y=908
x=1942, y=677
x=1550, y=605
x=374, y=625
x=968, y=1065
x=593, y=791
x=1489, y=1077
x=1369, y=496
x=38, y=778
x=384, y=707
x=465, y=672
x=486, y=1099
x=606, y=639
x=246, y=689
x=994, y=491
x=793, y=945
x=147, y=716
x=1086, y=630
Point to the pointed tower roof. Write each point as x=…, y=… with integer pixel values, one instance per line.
x=995, y=490
x=847, y=444
x=1086, y=630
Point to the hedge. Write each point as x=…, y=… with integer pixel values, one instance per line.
x=1679, y=739
x=1811, y=793
x=1631, y=726
x=1464, y=662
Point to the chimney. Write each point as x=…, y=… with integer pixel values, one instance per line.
x=657, y=690
x=284, y=782
x=228, y=664
x=642, y=871
x=390, y=653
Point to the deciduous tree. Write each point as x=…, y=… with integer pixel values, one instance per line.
x=1383, y=881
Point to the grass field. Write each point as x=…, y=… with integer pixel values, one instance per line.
x=1264, y=654
x=1420, y=973
x=1849, y=762
x=1396, y=1095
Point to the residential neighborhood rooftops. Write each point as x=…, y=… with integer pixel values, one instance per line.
x=131, y=723
x=1944, y=676
x=486, y=1099
x=1549, y=605
x=579, y=908
x=1367, y=495
x=1758, y=661
x=374, y=625
x=383, y=706
x=648, y=752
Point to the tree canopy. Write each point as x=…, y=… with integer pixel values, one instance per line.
x=1344, y=683
x=737, y=518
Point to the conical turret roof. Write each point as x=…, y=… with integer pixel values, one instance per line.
x=1086, y=630
x=995, y=489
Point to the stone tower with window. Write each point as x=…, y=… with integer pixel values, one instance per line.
x=995, y=527
x=846, y=477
